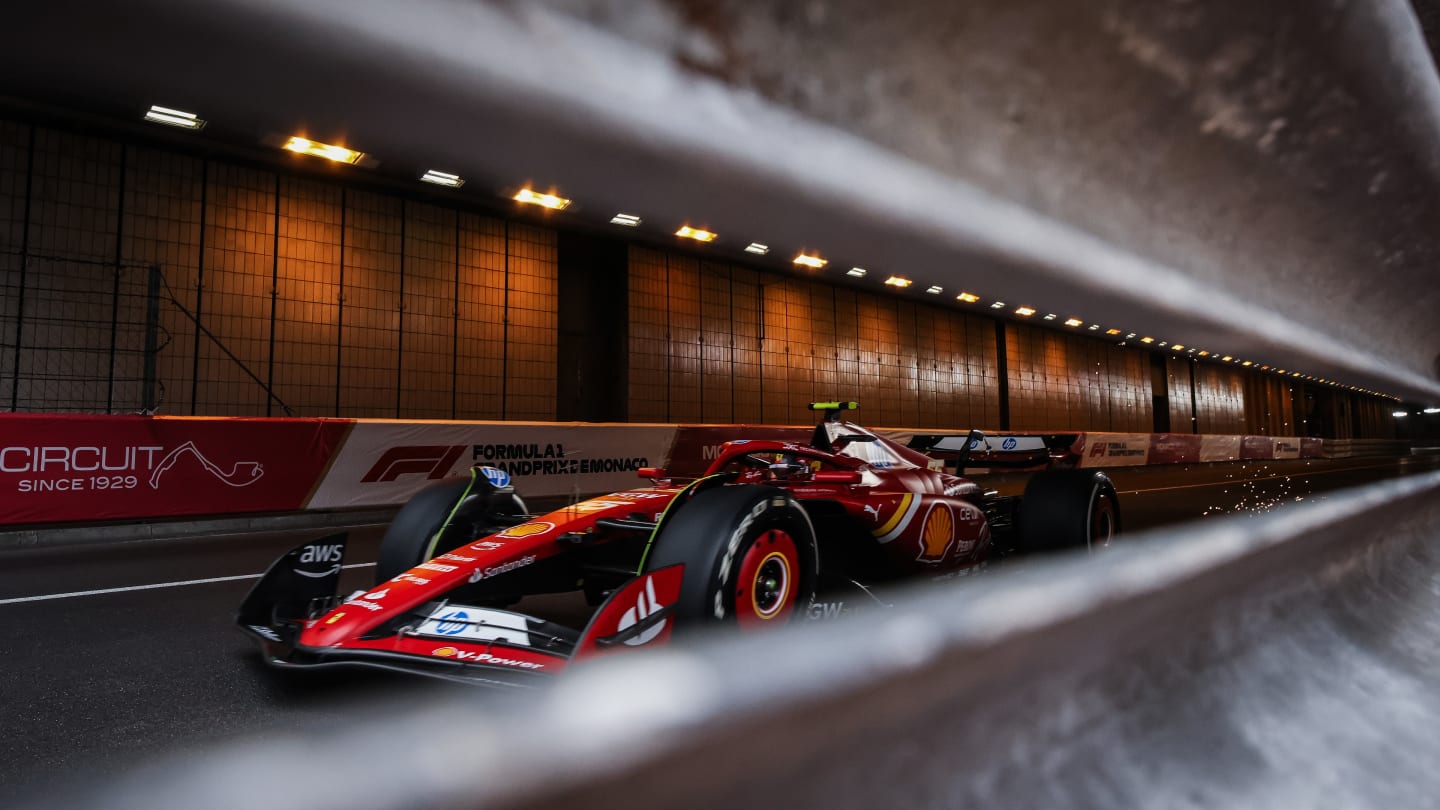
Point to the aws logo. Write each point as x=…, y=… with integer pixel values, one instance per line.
x=317, y=555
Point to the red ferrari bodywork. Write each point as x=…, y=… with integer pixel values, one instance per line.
x=897, y=509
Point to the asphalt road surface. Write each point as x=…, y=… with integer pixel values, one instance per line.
x=113, y=654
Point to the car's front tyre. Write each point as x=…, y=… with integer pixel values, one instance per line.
x=749, y=553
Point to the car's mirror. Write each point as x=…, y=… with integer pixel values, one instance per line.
x=653, y=473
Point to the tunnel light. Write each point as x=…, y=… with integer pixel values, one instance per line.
x=698, y=234
x=968, y=298
x=1177, y=347
x=1095, y=327
x=1227, y=358
x=1024, y=312
x=1147, y=340
x=934, y=289
x=1204, y=353
x=1115, y=332
x=1295, y=374
x=1073, y=322
x=174, y=118
x=856, y=272
x=440, y=178
x=531, y=197
x=1432, y=410
x=628, y=220
x=998, y=305
x=1049, y=316
x=806, y=260
x=757, y=248
x=329, y=151
x=899, y=281
x=1398, y=414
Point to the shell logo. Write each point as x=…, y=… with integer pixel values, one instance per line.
x=938, y=534
x=444, y=652
x=527, y=529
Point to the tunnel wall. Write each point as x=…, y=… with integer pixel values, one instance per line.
x=714, y=342
x=345, y=302
x=350, y=301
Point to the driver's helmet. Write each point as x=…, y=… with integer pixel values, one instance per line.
x=788, y=466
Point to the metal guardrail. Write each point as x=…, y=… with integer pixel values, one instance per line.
x=1259, y=178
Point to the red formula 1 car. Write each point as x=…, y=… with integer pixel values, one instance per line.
x=772, y=532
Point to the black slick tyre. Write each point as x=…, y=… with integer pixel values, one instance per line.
x=1068, y=509
x=749, y=553
x=411, y=537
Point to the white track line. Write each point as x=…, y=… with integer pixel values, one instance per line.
x=147, y=587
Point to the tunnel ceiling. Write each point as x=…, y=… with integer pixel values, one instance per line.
x=1258, y=182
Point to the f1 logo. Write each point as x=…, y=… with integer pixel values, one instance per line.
x=431, y=461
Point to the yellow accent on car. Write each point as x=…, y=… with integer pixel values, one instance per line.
x=895, y=518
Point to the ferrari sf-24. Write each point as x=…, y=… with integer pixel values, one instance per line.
x=772, y=532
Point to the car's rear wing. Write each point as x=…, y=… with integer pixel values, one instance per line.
x=998, y=452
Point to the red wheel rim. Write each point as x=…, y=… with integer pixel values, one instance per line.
x=1102, y=523
x=766, y=585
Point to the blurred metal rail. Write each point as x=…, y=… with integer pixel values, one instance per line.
x=1259, y=179
x=1283, y=660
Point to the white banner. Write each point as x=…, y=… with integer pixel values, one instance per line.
x=1219, y=448
x=1287, y=447
x=384, y=463
x=1115, y=449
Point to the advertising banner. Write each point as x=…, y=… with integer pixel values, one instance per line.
x=1286, y=447
x=1312, y=448
x=1115, y=450
x=1219, y=448
x=698, y=445
x=66, y=468
x=1174, y=448
x=1257, y=447
x=386, y=462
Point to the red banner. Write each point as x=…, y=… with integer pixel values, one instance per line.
x=62, y=468
x=1174, y=448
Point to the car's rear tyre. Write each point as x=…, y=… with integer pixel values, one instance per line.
x=1066, y=509
x=749, y=553
x=408, y=540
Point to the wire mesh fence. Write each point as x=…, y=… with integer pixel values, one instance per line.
x=79, y=336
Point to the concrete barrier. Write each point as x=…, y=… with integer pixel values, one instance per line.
x=57, y=469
